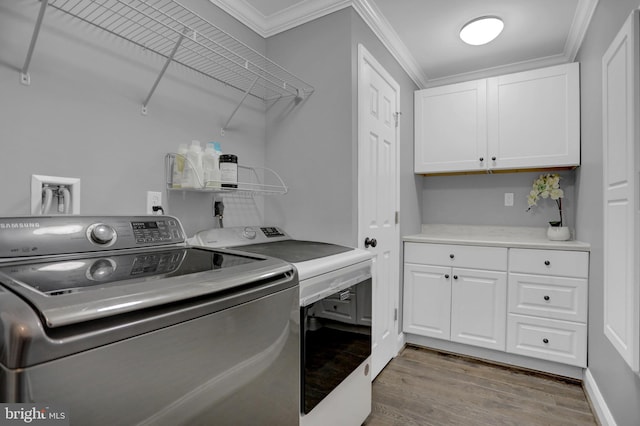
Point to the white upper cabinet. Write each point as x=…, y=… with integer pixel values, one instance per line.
x=456, y=117
x=534, y=118
x=525, y=120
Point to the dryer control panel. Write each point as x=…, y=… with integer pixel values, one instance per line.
x=238, y=236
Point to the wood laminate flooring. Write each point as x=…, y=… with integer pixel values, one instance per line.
x=425, y=387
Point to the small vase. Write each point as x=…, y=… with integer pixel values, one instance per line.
x=558, y=233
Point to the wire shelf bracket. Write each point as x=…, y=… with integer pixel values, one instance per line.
x=24, y=72
x=169, y=29
x=162, y=71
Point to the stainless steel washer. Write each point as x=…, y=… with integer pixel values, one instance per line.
x=118, y=321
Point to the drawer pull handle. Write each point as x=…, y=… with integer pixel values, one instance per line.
x=481, y=159
x=546, y=262
x=451, y=256
x=446, y=276
x=455, y=277
x=545, y=340
x=546, y=298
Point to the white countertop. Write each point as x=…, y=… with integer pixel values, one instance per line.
x=496, y=236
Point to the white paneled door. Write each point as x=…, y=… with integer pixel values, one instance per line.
x=378, y=103
x=621, y=175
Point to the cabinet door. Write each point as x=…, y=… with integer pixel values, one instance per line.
x=621, y=165
x=450, y=128
x=479, y=308
x=534, y=118
x=427, y=300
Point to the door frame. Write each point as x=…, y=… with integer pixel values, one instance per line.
x=365, y=56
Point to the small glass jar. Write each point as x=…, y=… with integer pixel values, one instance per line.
x=229, y=170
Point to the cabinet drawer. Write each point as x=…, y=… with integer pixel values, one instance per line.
x=549, y=262
x=340, y=310
x=494, y=258
x=551, y=340
x=548, y=297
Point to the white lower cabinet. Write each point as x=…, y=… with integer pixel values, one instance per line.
x=536, y=307
x=478, y=302
x=427, y=300
x=444, y=300
x=553, y=340
x=548, y=305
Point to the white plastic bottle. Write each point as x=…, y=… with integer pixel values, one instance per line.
x=193, y=176
x=210, y=165
x=178, y=166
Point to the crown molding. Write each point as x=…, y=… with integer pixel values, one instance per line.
x=267, y=26
x=300, y=13
x=514, y=67
x=374, y=18
x=308, y=10
x=579, y=26
x=245, y=13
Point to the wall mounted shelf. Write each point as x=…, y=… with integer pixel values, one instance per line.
x=249, y=180
x=180, y=35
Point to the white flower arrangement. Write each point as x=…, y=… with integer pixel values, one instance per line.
x=547, y=186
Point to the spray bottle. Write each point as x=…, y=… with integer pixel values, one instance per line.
x=210, y=165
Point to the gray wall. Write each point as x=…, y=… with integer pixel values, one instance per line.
x=309, y=142
x=314, y=145
x=479, y=200
x=81, y=115
x=619, y=386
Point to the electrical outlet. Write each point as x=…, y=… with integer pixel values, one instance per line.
x=153, y=199
x=508, y=199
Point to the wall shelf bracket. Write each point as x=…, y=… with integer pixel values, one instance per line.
x=164, y=69
x=24, y=73
x=246, y=93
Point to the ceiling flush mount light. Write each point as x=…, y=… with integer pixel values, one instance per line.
x=481, y=30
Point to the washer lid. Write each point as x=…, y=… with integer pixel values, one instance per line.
x=295, y=251
x=76, y=288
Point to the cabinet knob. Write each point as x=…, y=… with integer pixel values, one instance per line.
x=455, y=277
x=546, y=262
x=451, y=256
x=446, y=276
x=481, y=159
x=546, y=298
x=493, y=158
x=545, y=340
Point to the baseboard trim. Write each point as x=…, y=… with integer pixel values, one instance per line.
x=598, y=404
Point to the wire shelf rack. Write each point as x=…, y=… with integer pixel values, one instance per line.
x=180, y=35
x=250, y=182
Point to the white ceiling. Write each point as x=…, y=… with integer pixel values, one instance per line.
x=423, y=34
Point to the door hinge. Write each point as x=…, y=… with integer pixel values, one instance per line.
x=397, y=117
x=395, y=314
x=397, y=217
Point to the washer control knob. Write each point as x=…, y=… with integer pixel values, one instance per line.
x=102, y=234
x=249, y=233
x=101, y=270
